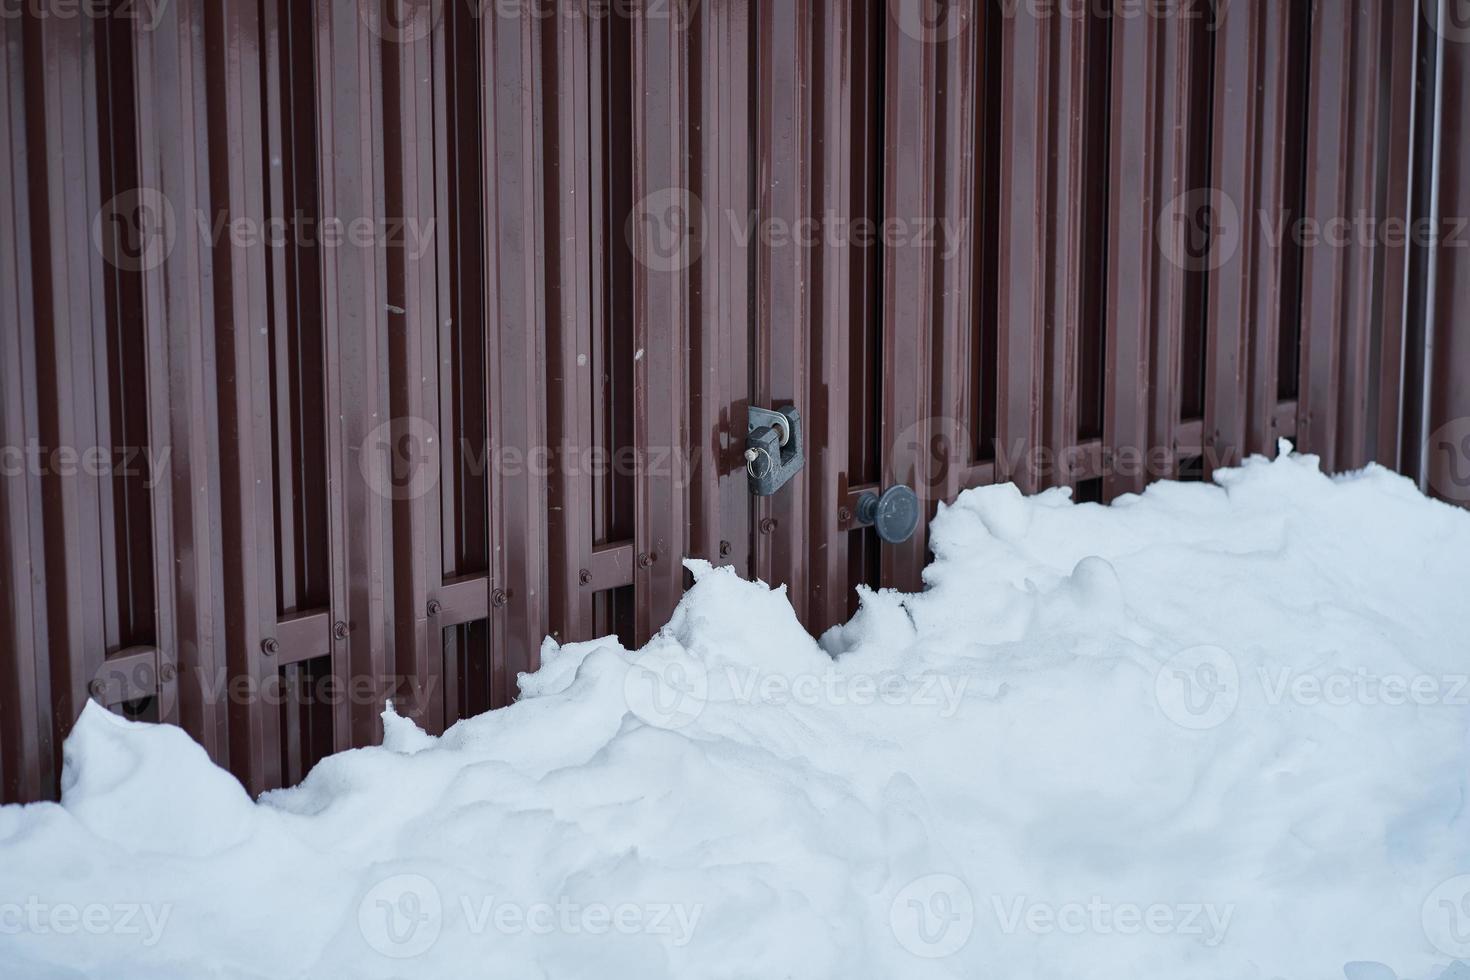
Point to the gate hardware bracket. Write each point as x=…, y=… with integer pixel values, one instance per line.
x=773, y=448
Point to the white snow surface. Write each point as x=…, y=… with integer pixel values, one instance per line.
x=1216, y=731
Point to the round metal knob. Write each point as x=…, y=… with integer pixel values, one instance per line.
x=895, y=515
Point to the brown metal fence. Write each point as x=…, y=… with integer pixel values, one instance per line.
x=348, y=349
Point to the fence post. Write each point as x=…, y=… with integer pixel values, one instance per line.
x=661, y=304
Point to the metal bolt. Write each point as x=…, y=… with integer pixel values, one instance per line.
x=725, y=549
x=768, y=525
x=585, y=577
x=270, y=647
x=843, y=515
x=167, y=672
x=499, y=598
x=339, y=630
x=645, y=559
x=435, y=607
x=97, y=689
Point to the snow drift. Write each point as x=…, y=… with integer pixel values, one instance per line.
x=1214, y=731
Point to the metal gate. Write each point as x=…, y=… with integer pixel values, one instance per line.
x=348, y=348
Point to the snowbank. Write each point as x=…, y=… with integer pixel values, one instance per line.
x=1211, y=731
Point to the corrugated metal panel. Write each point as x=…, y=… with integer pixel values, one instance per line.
x=437, y=326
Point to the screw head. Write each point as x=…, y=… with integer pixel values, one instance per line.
x=339, y=630
x=844, y=515
x=97, y=689
x=435, y=607
x=725, y=549
x=644, y=560
x=585, y=577
x=499, y=598
x=167, y=672
x=768, y=525
x=270, y=647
